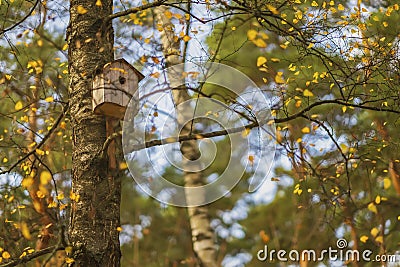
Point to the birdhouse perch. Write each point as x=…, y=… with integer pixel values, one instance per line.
x=113, y=88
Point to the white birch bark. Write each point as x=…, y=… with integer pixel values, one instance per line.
x=203, y=236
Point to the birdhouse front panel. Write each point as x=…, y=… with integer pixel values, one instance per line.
x=114, y=87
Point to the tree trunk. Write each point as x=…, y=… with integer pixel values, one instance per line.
x=95, y=213
x=203, y=236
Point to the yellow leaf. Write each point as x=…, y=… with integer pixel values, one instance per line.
x=27, y=182
x=49, y=99
x=299, y=191
x=60, y=196
x=25, y=230
x=119, y=228
x=123, y=166
x=74, y=196
x=98, y=3
x=68, y=250
x=24, y=118
x=5, y=160
x=40, y=152
x=307, y=93
x=260, y=43
x=279, y=79
x=177, y=15
x=372, y=207
x=264, y=236
x=364, y=238
x=387, y=183
x=65, y=47
x=168, y=14
x=374, y=231
x=155, y=75
x=264, y=35
x=81, y=10
x=40, y=194
x=245, y=132
x=6, y=255
x=273, y=9
x=40, y=42
x=340, y=7
x=314, y=4
x=251, y=159
x=274, y=59
x=186, y=38
x=310, y=45
x=45, y=177
x=344, y=108
x=18, y=106
x=251, y=34
x=379, y=239
x=378, y=200
x=305, y=130
x=69, y=260
x=260, y=61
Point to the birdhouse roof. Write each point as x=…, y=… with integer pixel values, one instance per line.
x=123, y=61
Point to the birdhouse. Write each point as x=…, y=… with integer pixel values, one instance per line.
x=113, y=88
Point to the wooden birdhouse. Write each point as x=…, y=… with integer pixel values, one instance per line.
x=113, y=88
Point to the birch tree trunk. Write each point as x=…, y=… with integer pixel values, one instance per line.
x=202, y=233
x=95, y=215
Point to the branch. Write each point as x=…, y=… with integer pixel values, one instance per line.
x=187, y=12
x=182, y=138
x=22, y=20
x=174, y=139
x=134, y=10
x=334, y=101
x=108, y=141
x=47, y=136
x=32, y=256
x=202, y=20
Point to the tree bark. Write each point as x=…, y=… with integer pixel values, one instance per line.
x=95, y=214
x=203, y=236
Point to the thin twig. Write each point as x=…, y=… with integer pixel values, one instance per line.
x=32, y=256
x=134, y=10
x=47, y=136
x=174, y=139
x=22, y=20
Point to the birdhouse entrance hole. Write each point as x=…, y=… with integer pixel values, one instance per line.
x=122, y=80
